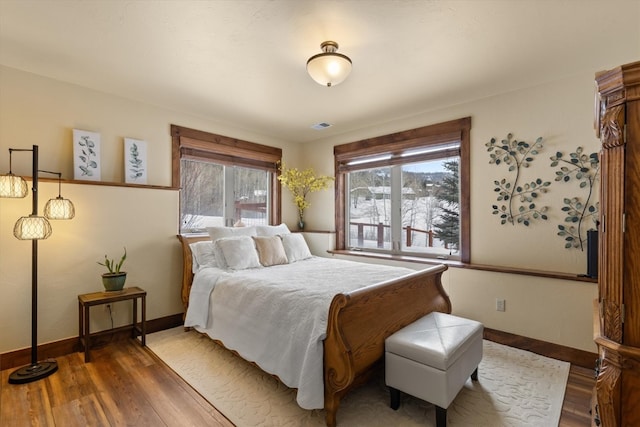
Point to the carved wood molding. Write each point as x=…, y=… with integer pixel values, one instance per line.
x=616, y=398
x=619, y=364
x=612, y=127
x=612, y=316
x=608, y=389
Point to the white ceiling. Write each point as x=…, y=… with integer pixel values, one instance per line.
x=241, y=63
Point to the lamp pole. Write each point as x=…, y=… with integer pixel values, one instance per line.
x=36, y=370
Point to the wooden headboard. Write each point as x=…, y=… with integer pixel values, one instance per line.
x=187, y=264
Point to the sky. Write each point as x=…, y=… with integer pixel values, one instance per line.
x=432, y=166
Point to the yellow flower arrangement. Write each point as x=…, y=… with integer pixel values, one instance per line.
x=301, y=183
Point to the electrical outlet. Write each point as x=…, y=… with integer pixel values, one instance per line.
x=500, y=304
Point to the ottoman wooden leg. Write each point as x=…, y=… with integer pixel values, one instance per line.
x=474, y=375
x=395, y=398
x=441, y=417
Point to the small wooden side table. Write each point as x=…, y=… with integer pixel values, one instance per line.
x=86, y=301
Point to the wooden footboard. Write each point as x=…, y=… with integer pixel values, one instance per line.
x=360, y=321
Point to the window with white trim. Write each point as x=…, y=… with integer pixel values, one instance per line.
x=406, y=193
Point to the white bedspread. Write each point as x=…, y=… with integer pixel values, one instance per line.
x=277, y=316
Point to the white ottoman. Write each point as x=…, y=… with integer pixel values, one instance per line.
x=432, y=358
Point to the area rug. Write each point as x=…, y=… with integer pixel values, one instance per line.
x=515, y=388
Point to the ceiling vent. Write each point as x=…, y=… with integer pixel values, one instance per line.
x=320, y=126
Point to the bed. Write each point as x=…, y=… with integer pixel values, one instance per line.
x=356, y=322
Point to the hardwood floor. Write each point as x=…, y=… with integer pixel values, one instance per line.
x=577, y=398
x=126, y=384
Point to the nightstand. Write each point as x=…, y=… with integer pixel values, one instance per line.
x=86, y=301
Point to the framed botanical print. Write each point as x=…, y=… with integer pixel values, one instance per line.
x=135, y=161
x=86, y=155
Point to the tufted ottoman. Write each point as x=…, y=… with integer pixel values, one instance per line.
x=432, y=358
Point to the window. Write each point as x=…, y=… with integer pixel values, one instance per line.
x=224, y=180
x=406, y=193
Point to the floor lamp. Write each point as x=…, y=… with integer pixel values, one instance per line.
x=34, y=228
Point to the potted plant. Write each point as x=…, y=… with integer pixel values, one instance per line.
x=114, y=279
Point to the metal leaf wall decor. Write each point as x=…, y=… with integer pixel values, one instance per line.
x=518, y=201
x=582, y=168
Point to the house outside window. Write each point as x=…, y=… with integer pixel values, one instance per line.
x=406, y=193
x=224, y=180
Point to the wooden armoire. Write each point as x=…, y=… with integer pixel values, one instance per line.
x=616, y=399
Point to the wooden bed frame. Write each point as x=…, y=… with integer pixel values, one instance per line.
x=359, y=322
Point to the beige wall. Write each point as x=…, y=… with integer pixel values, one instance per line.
x=561, y=112
x=36, y=110
x=557, y=311
x=107, y=219
x=552, y=310
x=41, y=111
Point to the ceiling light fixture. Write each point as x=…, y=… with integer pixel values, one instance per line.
x=329, y=68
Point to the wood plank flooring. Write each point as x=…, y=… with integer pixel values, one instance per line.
x=126, y=384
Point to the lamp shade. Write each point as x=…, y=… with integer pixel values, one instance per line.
x=32, y=227
x=59, y=208
x=13, y=186
x=330, y=67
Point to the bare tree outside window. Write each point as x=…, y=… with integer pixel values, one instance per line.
x=204, y=202
x=223, y=180
x=202, y=193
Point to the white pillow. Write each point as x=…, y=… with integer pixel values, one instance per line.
x=270, y=250
x=219, y=232
x=203, y=255
x=272, y=230
x=295, y=247
x=239, y=252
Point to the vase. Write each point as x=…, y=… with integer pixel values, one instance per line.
x=300, y=225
